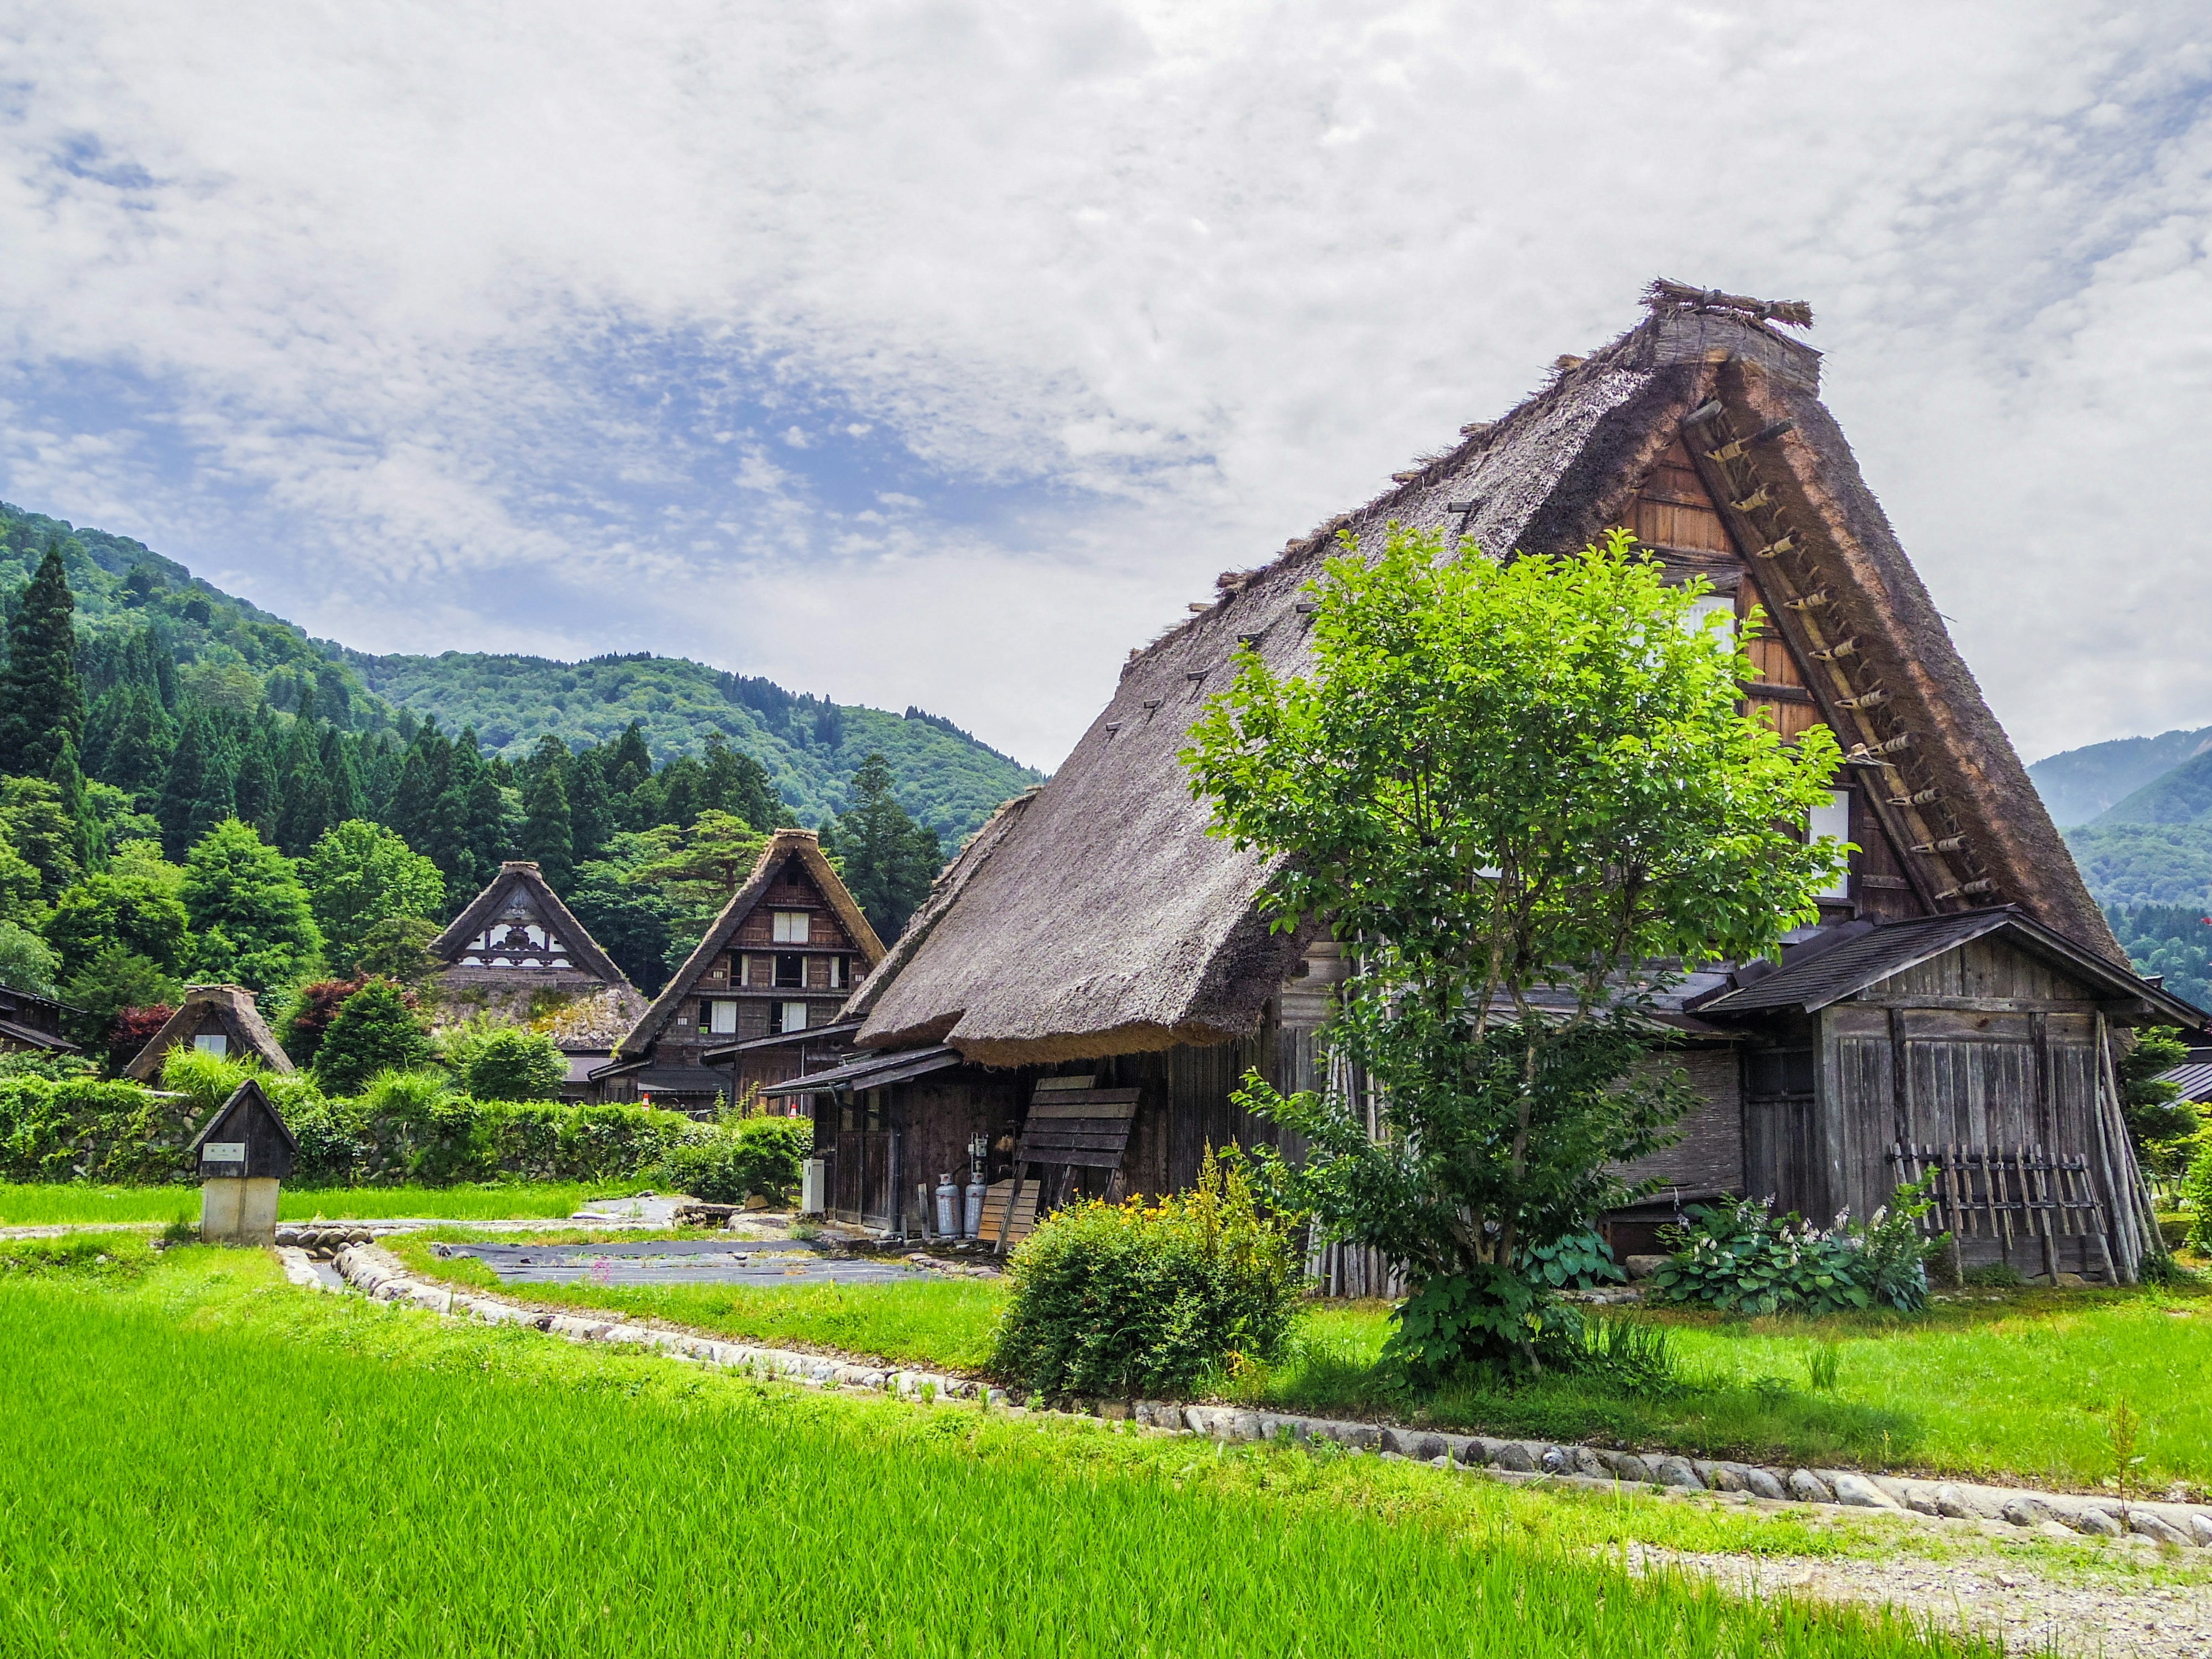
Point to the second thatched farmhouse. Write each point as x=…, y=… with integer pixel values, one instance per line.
x=1092, y=975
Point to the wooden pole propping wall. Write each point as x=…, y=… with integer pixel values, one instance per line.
x=2117, y=1158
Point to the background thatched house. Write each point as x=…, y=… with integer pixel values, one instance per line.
x=519, y=955
x=221, y=1019
x=778, y=960
x=1094, y=930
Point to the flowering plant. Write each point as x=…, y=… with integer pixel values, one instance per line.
x=1739, y=1257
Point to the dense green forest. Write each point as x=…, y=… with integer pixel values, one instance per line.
x=187, y=792
x=228, y=654
x=2173, y=940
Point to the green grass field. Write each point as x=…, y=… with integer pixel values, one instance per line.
x=2022, y=1385
x=198, y=1459
x=69, y=1204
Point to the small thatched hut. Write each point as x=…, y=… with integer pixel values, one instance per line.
x=1093, y=933
x=518, y=954
x=219, y=1019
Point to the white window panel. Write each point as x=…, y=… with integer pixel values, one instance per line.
x=724, y=1019
x=792, y=1016
x=1713, y=605
x=791, y=926
x=212, y=1042
x=1833, y=819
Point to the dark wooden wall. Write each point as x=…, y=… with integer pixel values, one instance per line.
x=1708, y=1158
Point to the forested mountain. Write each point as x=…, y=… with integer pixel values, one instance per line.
x=193, y=790
x=228, y=654
x=2081, y=784
x=809, y=746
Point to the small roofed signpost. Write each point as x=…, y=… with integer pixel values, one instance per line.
x=244, y=1151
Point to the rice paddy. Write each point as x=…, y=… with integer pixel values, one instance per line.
x=198, y=1460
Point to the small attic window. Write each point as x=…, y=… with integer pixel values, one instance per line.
x=791, y=926
x=212, y=1042
x=1712, y=604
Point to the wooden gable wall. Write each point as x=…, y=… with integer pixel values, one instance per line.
x=1676, y=516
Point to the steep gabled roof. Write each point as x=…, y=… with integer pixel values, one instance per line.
x=802, y=846
x=485, y=907
x=1103, y=918
x=240, y=1019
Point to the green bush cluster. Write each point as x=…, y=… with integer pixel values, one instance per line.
x=1139, y=1300
x=739, y=1157
x=1737, y=1256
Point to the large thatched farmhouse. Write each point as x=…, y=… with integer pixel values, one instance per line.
x=1092, y=975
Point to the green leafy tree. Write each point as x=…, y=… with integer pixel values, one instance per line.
x=43, y=831
x=41, y=699
x=138, y=914
x=398, y=948
x=634, y=925
x=115, y=978
x=374, y=1030
x=1523, y=791
x=2163, y=1124
x=360, y=875
x=250, y=910
x=27, y=963
x=513, y=1064
x=889, y=861
x=19, y=882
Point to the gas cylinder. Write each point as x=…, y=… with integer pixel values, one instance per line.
x=971, y=1223
x=948, y=1202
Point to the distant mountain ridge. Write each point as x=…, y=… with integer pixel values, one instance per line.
x=234, y=652
x=2082, y=785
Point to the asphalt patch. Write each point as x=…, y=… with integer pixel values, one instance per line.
x=679, y=1261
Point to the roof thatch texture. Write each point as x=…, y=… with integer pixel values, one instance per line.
x=241, y=1021
x=786, y=846
x=1101, y=918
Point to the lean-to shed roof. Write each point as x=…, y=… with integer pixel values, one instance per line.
x=1097, y=916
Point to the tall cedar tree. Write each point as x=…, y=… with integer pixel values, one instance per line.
x=375, y=1030
x=41, y=700
x=890, y=860
x=545, y=833
x=249, y=910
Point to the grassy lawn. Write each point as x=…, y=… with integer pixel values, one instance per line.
x=198, y=1459
x=70, y=1204
x=2022, y=1384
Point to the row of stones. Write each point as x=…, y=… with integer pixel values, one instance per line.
x=2165, y=1523
x=324, y=1236
x=380, y=1276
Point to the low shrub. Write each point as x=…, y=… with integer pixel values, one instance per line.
x=1580, y=1261
x=2197, y=1199
x=734, y=1159
x=1737, y=1256
x=511, y=1064
x=1135, y=1299
x=80, y=1128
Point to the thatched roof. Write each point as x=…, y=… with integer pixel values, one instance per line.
x=520, y=883
x=802, y=846
x=233, y=1009
x=1102, y=918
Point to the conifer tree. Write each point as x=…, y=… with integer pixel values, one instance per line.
x=41, y=700
x=341, y=776
x=630, y=763
x=737, y=783
x=181, y=789
x=888, y=859
x=591, y=813
x=68, y=783
x=546, y=836
x=258, y=798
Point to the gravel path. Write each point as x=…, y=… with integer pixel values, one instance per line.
x=2031, y=1609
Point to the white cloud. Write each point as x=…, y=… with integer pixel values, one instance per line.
x=432, y=298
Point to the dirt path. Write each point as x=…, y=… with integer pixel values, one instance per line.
x=2033, y=1606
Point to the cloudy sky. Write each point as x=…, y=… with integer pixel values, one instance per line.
x=937, y=353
